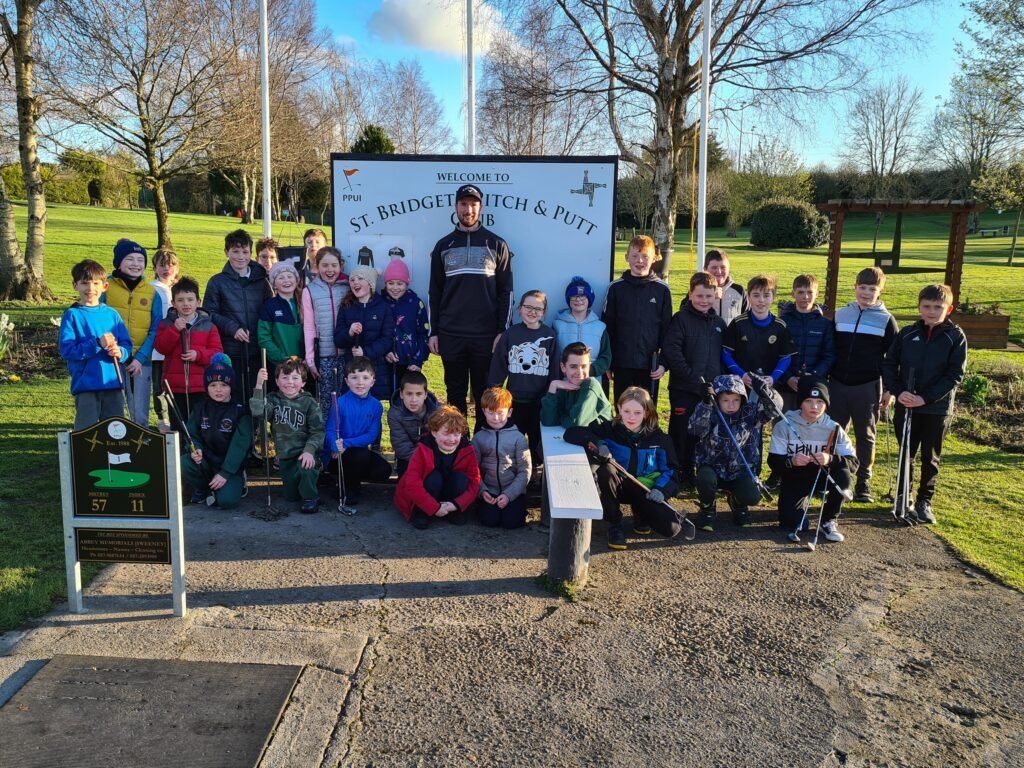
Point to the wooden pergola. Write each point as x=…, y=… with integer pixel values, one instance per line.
x=958, y=210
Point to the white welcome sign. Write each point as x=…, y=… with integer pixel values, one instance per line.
x=557, y=215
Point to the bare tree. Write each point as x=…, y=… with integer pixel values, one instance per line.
x=646, y=53
x=882, y=133
x=406, y=107
x=972, y=129
x=297, y=58
x=996, y=28
x=22, y=276
x=143, y=76
x=529, y=103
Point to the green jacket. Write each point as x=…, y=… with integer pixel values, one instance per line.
x=575, y=408
x=279, y=330
x=295, y=422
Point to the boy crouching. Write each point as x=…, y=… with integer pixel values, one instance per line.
x=803, y=442
x=720, y=467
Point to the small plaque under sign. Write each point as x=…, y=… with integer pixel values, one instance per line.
x=123, y=545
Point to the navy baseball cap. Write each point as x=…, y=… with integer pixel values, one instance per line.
x=469, y=190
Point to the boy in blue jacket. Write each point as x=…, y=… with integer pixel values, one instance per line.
x=93, y=340
x=813, y=338
x=354, y=427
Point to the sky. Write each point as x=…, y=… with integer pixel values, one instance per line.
x=432, y=33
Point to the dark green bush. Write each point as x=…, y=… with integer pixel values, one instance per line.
x=788, y=223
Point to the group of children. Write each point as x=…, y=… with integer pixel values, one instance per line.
x=336, y=347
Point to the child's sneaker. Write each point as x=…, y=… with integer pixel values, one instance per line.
x=309, y=506
x=830, y=529
x=198, y=496
x=616, y=536
x=641, y=528
x=740, y=512
x=706, y=519
x=923, y=510
x=419, y=520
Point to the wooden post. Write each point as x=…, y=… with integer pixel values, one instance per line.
x=574, y=503
x=835, y=245
x=955, y=253
x=569, y=550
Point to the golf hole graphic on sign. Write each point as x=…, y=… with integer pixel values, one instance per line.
x=116, y=467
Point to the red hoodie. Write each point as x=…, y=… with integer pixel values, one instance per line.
x=410, y=492
x=202, y=336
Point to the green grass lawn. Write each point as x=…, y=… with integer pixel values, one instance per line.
x=980, y=502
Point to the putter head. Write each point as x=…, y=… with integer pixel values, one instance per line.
x=811, y=546
x=847, y=494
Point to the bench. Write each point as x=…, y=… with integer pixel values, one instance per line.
x=574, y=502
x=992, y=232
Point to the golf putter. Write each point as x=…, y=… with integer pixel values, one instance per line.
x=343, y=505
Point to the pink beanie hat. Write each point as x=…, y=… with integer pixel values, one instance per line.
x=396, y=270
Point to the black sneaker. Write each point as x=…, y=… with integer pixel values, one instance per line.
x=862, y=493
x=309, y=506
x=458, y=517
x=706, y=519
x=616, y=537
x=923, y=510
x=740, y=512
x=419, y=520
x=198, y=496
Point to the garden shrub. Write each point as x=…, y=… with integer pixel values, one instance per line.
x=788, y=223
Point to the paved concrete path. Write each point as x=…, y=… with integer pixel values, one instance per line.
x=438, y=648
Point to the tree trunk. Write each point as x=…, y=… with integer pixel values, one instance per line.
x=12, y=264
x=1013, y=243
x=163, y=230
x=666, y=191
x=30, y=283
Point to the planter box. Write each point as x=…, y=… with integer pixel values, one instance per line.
x=982, y=331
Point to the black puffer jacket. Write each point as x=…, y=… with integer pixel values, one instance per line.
x=234, y=302
x=938, y=360
x=693, y=348
x=637, y=311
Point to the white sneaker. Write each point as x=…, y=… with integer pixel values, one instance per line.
x=831, y=530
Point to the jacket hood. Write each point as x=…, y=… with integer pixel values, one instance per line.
x=396, y=402
x=201, y=314
x=566, y=314
x=688, y=306
x=651, y=276
x=729, y=384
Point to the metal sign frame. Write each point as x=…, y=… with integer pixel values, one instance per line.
x=173, y=523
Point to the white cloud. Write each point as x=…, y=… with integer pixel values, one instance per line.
x=434, y=25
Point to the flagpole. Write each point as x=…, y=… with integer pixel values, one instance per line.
x=705, y=98
x=470, y=89
x=265, y=114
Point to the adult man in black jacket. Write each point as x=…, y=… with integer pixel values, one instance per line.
x=470, y=299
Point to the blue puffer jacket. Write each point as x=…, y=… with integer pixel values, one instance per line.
x=412, y=328
x=813, y=335
x=645, y=455
x=377, y=338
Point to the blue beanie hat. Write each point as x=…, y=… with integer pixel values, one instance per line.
x=219, y=369
x=123, y=247
x=578, y=286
